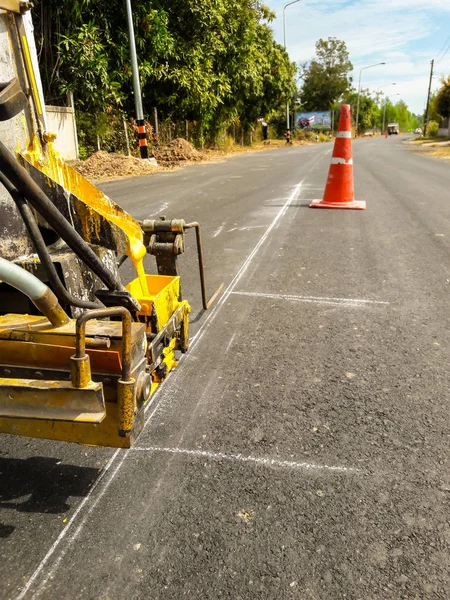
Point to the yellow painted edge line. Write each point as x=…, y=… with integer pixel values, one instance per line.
x=31, y=72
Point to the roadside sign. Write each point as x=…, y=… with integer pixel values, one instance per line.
x=313, y=120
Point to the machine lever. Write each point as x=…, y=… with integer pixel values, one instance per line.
x=206, y=303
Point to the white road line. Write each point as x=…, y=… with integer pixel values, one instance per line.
x=218, y=231
x=282, y=199
x=164, y=206
x=312, y=299
x=264, y=462
x=230, y=342
x=72, y=537
x=63, y=533
x=197, y=337
x=210, y=318
x=245, y=228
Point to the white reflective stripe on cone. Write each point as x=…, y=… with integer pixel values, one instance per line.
x=336, y=160
x=344, y=134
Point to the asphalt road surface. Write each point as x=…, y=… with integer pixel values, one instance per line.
x=301, y=449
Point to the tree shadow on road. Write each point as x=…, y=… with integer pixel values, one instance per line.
x=41, y=485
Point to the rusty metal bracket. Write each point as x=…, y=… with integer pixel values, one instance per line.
x=16, y=6
x=126, y=385
x=116, y=311
x=165, y=241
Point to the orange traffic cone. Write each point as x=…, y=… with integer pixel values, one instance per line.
x=339, y=192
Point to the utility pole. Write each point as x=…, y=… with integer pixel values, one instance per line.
x=359, y=92
x=136, y=84
x=378, y=98
x=425, y=121
x=284, y=41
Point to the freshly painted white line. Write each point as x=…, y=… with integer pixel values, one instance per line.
x=311, y=299
x=63, y=533
x=336, y=160
x=194, y=341
x=197, y=337
x=72, y=537
x=344, y=134
x=264, y=462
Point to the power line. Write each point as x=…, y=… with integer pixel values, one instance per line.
x=444, y=50
x=444, y=45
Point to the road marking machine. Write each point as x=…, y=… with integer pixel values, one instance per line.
x=81, y=353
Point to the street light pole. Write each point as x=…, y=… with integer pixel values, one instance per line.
x=378, y=91
x=359, y=91
x=284, y=41
x=136, y=84
x=385, y=105
x=383, y=86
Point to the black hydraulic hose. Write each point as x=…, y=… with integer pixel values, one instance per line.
x=41, y=249
x=27, y=187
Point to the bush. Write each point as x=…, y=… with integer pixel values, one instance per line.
x=226, y=143
x=310, y=136
x=433, y=128
x=108, y=127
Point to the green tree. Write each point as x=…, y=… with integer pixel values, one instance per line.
x=213, y=62
x=443, y=98
x=399, y=113
x=433, y=109
x=327, y=77
x=370, y=115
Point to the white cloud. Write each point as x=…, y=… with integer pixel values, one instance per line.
x=405, y=34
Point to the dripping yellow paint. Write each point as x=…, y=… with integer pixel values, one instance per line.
x=52, y=165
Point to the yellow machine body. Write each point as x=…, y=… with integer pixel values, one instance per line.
x=37, y=393
x=80, y=360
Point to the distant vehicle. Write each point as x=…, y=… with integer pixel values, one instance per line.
x=418, y=131
x=393, y=128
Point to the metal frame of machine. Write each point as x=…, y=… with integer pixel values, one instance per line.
x=80, y=352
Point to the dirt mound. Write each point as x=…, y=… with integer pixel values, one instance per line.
x=103, y=164
x=179, y=150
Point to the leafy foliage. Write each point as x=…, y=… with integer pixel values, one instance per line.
x=211, y=61
x=327, y=77
x=432, y=128
x=443, y=98
x=327, y=84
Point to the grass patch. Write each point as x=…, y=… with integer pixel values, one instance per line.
x=429, y=140
x=442, y=153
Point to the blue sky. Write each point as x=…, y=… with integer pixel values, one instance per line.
x=406, y=34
